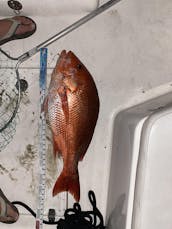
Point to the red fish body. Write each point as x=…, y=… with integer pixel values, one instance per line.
x=73, y=106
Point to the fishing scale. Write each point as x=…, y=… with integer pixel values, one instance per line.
x=6, y=120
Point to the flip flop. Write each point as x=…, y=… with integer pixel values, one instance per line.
x=10, y=35
x=4, y=202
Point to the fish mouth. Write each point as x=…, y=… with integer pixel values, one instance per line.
x=61, y=60
x=64, y=59
x=64, y=54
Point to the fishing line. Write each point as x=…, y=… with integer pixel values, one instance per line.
x=67, y=199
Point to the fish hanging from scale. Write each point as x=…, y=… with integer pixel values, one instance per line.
x=72, y=107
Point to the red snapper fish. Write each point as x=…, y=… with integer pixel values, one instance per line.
x=72, y=105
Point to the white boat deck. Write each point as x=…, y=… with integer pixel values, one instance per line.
x=128, y=51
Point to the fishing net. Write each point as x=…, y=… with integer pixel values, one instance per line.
x=9, y=97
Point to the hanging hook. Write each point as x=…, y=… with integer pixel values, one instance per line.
x=15, y=5
x=17, y=12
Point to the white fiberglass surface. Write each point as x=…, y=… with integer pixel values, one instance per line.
x=140, y=172
x=124, y=157
x=153, y=199
x=128, y=52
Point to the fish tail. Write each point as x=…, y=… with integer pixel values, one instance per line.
x=68, y=183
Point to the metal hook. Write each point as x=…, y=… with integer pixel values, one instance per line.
x=17, y=12
x=15, y=5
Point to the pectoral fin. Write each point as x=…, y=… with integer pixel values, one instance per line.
x=71, y=84
x=64, y=101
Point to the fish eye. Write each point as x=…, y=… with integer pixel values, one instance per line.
x=79, y=66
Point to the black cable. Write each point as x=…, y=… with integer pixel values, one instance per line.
x=32, y=212
x=74, y=218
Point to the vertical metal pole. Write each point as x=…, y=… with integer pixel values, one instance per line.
x=42, y=140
